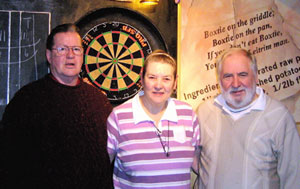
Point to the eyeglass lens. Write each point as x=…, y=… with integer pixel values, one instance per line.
x=64, y=50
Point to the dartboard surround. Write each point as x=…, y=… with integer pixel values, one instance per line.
x=114, y=57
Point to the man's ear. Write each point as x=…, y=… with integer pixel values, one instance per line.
x=48, y=55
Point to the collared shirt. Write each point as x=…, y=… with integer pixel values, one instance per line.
x=258, y=104
x=259, y=150
x=140, y=115
x=146, y=158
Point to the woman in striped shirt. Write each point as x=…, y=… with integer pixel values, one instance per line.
x=152, y=137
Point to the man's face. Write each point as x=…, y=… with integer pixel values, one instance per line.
x=238, y=82
x=65, y=68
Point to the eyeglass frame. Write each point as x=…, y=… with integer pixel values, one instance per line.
x=68, y=49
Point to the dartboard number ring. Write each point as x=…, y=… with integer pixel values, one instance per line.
x=114, y=55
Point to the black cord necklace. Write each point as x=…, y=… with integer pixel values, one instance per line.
x=165, y=145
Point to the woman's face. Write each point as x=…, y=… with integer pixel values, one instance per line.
x=158, y=83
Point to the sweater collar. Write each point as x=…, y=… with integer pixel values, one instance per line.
x=52, y=77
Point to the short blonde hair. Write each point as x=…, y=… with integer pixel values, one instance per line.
x=160, y=56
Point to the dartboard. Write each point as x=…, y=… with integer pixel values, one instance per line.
x=114, y=57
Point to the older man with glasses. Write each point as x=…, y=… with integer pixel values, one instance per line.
x=55, y=128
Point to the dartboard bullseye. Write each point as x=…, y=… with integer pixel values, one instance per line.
x=114, y=57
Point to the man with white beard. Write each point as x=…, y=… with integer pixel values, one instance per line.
x=248, y=140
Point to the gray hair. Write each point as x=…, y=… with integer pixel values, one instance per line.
x=222, y=57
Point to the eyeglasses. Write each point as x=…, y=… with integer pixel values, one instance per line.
x=63, y=50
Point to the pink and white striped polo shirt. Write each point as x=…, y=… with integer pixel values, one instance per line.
x=147, y=156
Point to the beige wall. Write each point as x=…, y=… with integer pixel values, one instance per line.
x=269, y=29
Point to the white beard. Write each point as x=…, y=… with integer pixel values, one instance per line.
x=246, y=100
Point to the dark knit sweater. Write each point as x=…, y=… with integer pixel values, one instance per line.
x=55, y=137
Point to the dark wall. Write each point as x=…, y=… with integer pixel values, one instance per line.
x=163, y=17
